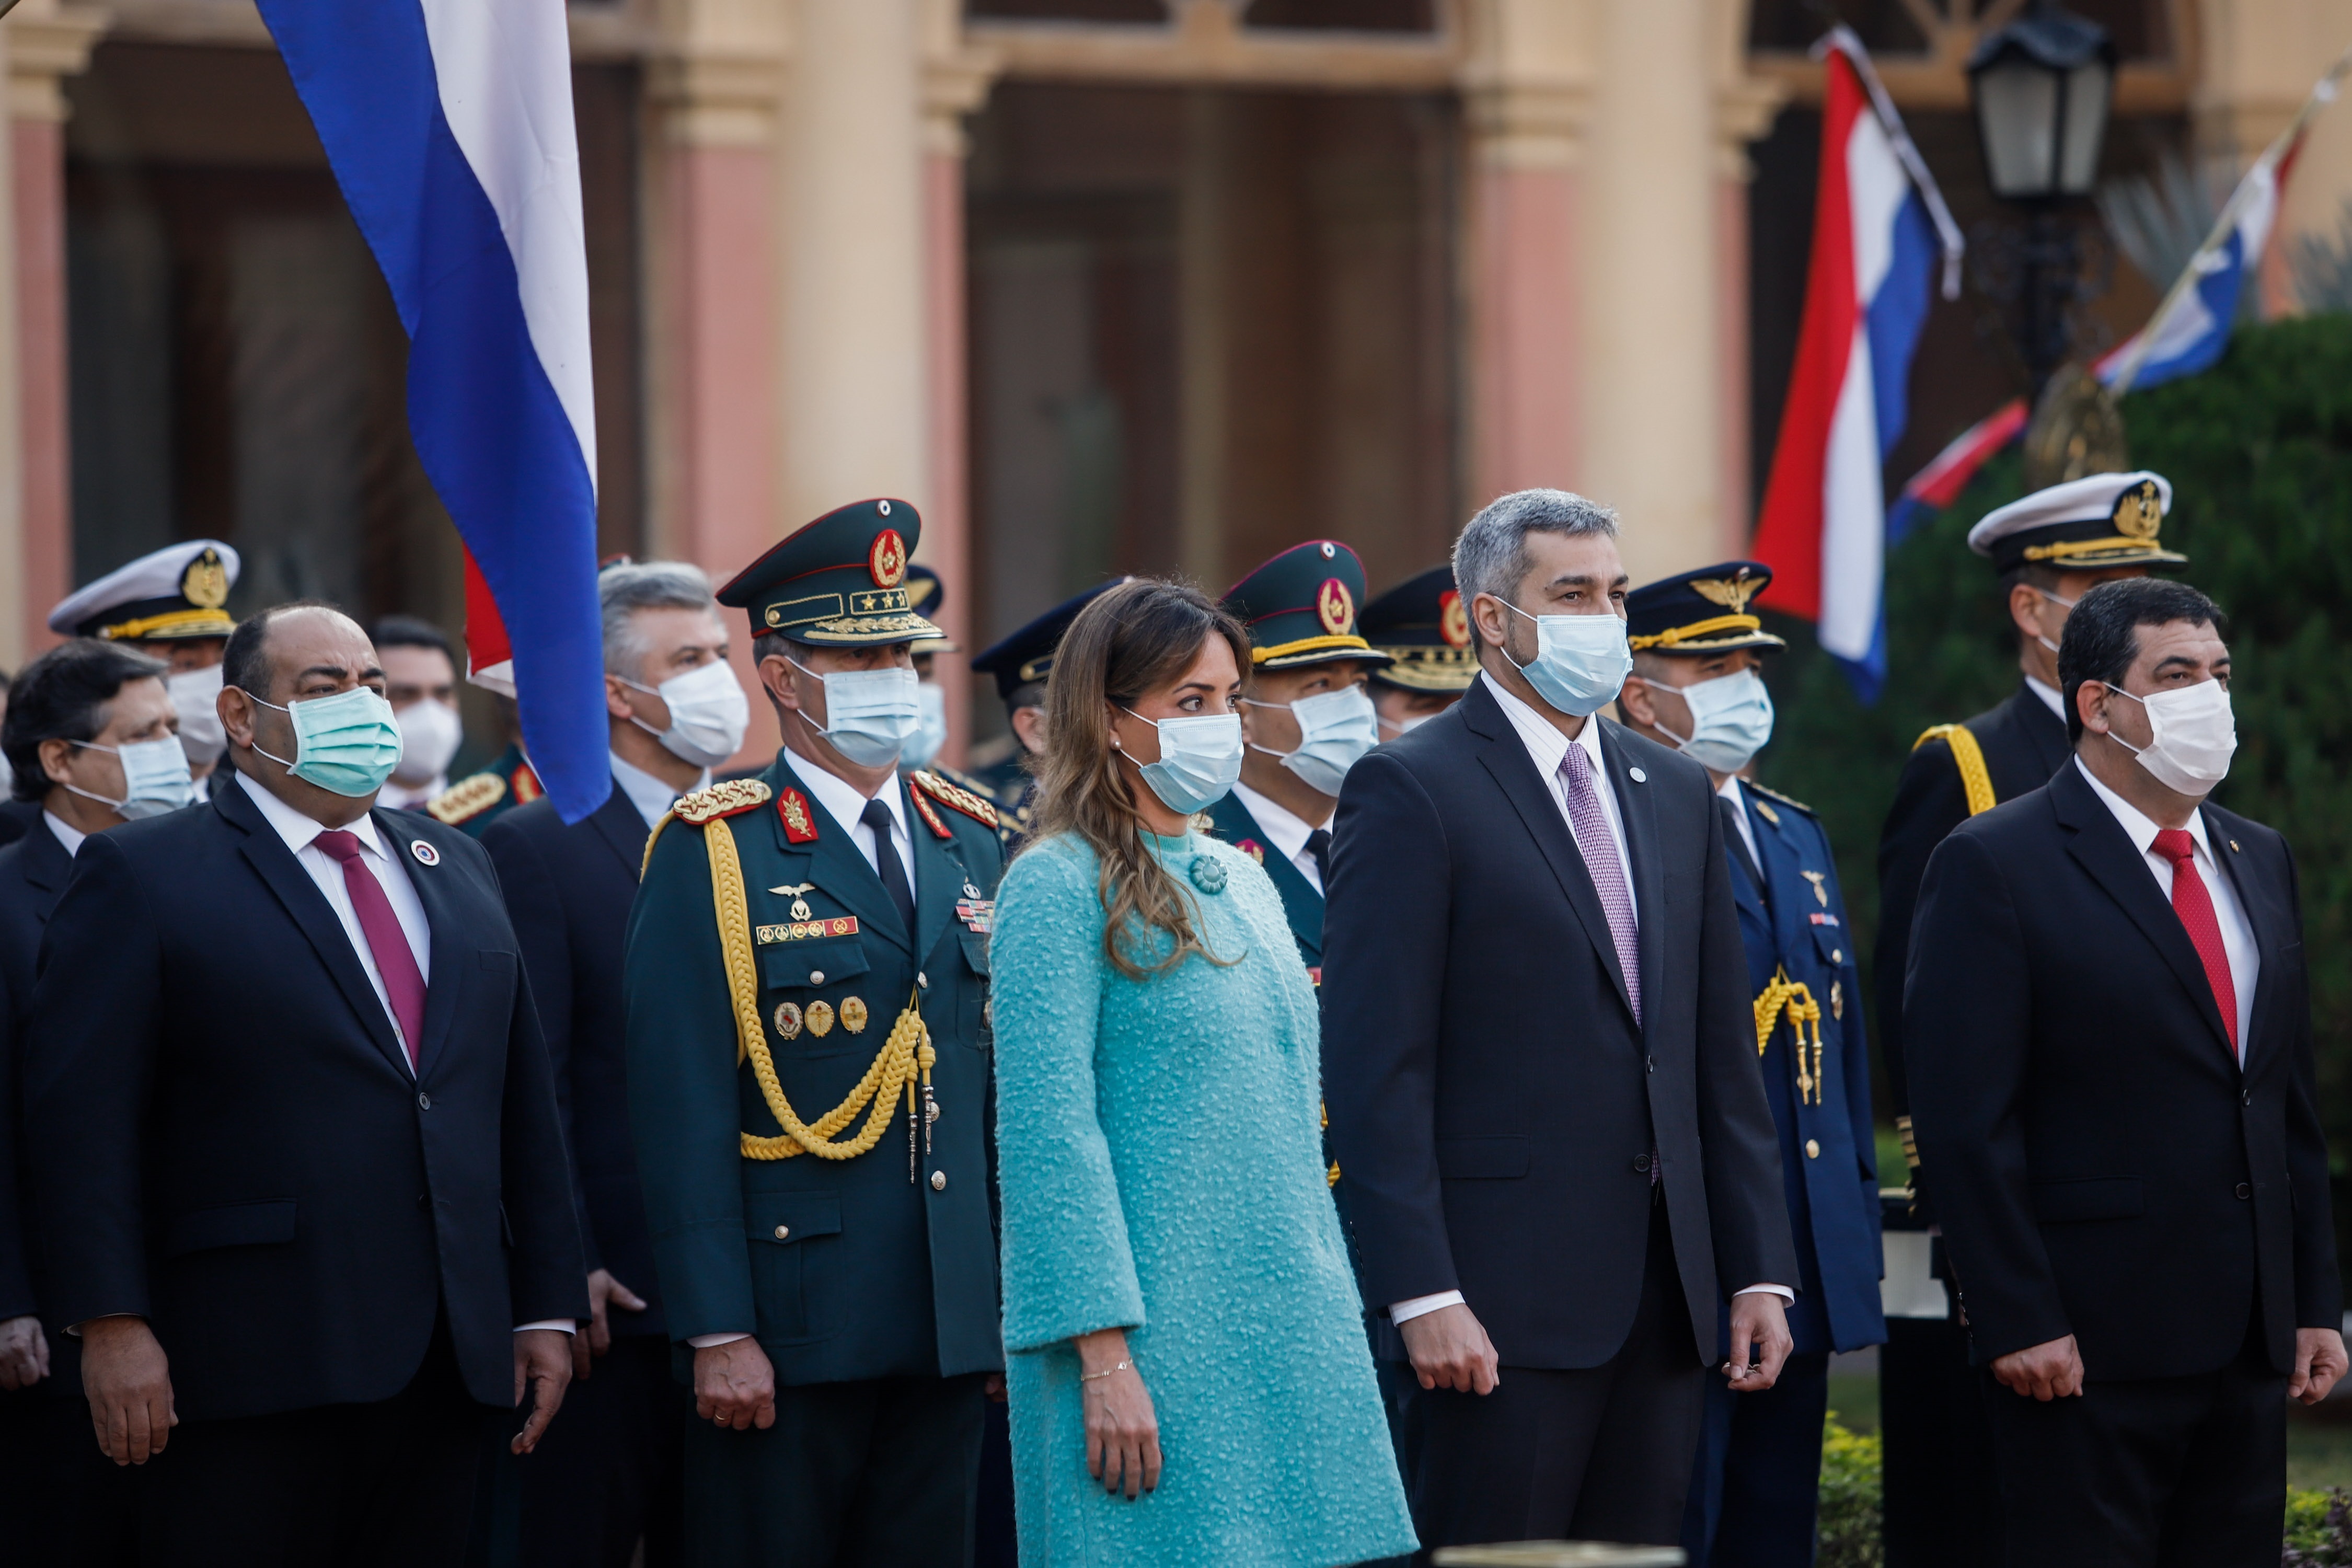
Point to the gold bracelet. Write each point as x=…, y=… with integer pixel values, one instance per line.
x=1090, y=1376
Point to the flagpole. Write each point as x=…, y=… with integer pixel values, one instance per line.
x=2323, y=93
x=1842, y=39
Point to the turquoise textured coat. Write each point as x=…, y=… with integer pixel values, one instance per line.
x=1160, y=1157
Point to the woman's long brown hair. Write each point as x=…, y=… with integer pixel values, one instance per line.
x=1143, y=634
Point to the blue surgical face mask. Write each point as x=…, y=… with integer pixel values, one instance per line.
x=1731, y=719
x=1200, y=758
x=870, y=715
x=1335, y=728
x=931, y=727
x=347, y=744
x=154, y=778
x=1581, y=662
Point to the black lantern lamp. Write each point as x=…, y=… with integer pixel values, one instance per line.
x=2043, y=87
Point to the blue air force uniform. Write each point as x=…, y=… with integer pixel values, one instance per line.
x=866, y=1269
x=1756, y=1484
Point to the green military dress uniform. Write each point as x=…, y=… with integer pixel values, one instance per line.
x=779, y=1005
x=476, y=801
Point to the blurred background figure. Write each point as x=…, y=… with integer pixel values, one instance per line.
x=168, y=604
x=476, y=801
x=1423, y=627
x=84, y=715
x=1019, y=665
x=420, y=682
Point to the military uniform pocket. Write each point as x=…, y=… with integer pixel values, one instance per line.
x=778, y=1227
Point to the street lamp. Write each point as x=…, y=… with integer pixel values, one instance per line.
x=2043, y=85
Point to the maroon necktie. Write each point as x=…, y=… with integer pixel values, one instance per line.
x=395, y=960
x=2192, y=901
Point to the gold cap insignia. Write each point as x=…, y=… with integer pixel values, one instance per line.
x=206, y=582
x=1732, y=592
x=887, y=560
x=1453, y=618
x=1335, y=606
x=2138, y=513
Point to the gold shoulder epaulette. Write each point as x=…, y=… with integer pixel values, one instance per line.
x=1783, y=799
x=727, y=797
x=963, y=800
x=467, y=799
x=1968, y=757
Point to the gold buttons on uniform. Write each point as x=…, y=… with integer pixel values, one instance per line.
x=852, y=1015
x=939, y=1181
x=820, y=1019
x=1837, y=955
x=782, y=1231
x=816, y=976
x=1813, y=1148
x=788, y=1019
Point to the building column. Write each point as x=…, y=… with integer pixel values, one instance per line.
x=1745, y=108
x=47, y=40
x=1527, y=104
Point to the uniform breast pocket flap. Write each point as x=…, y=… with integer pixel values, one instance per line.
x=785, y=1220
x=821, y=960
x=231, y=1224
x=1496, y=1159
x=2088, y=1198
x=975, y=950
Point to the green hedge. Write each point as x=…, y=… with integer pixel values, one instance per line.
x=2258, y=451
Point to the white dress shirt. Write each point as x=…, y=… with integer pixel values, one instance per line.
x=650, y=795
x=1549, y=747
x=1729, y=790
x=68, y=834
x=2051, y=698
x=301, y=834
x=845, y=806
x=2237, y=933
x=1287, y=830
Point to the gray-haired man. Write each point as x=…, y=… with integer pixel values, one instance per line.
x=675, y=711
x=1539, y=1064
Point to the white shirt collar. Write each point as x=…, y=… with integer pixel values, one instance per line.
x=650, y=795
x=2137, y=824
x=1285, y=827
x=299, y=830
x=840, y=797
x=1543, y=739
x=1729, y=790
x=68, y=834
x=2051, y=697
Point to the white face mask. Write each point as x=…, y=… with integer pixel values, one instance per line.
x=1200, y=758
x=2063, y=605
x=708, y=713
x=1335, y=729
x=430, y=733
x=931, y=731
x=154, y=778
x=1581, y=662
x=870, y=715
x=196, y=698
x=1731, y=719
x=1392, y=728
x=2193, y=735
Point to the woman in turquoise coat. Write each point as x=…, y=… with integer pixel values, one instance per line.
x=1188, y=1372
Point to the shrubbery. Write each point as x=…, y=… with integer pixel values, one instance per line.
x=1852, y=1523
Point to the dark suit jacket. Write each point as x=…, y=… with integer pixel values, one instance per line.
x=1301, y=904
x=227, y=1139
x=2023, y=743
x=33, y=872
x=2103, y=1167
x=17, y=819
x=1493, y=1103
x=568, y=891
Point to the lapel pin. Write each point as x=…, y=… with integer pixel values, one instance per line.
x=1637, y=776
x=429, y=856
x=2233, y=846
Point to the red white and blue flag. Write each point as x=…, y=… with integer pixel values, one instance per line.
x=1880, y=229
x=448, y=124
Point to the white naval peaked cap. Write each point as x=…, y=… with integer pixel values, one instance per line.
x=2085, y=525
x=175, y=592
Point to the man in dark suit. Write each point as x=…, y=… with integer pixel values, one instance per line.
x=2108, y=1019
x=1540, y=1063
x=609, y=1471
x=296, y=1161
x=2050, y=548
x=76, y=707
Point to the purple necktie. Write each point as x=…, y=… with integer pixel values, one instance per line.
x=395, y=960
x=1608, y=872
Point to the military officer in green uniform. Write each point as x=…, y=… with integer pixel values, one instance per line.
x=1421, y=625
x=1306, y=718
x=925, y=593
x=809, y=1072
x=1020, y=664
x=476, y=801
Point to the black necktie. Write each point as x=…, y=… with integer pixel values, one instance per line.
x=1318, y=844
x=886, y=864
x=1740, y=844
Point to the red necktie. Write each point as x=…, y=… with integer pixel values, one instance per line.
x=2193, y=903
x=395, y=960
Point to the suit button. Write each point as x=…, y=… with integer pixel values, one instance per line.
x=1642, y=1163
x=782, y=1231
x=2245, y=1191
x=424, y=1102
x=816, y=976
x=922, y=981
x=1813, y=1148
x=2249, y=1097
x=1837, y=955
x=939, y=1181
x=1650, y=1064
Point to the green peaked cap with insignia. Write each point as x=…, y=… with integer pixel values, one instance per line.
x=1300, y=607
x=842, y=581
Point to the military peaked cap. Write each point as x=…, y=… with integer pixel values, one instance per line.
x=1701, y=612
x=1422, y=624
x=2082, y=525
x=175, y=592
x=1300, y=607
x=842, y=581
